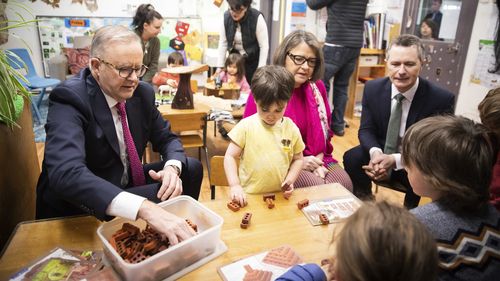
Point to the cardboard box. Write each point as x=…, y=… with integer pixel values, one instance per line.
x=368, y=60
x=175, y=258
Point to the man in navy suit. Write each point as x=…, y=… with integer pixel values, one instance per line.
x=422, y=99
x=88, y=166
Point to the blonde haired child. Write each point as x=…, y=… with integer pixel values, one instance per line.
x=449, y=159
x=379, y=242
x=269, y=145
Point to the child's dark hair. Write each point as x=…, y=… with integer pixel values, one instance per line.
x=175, y=58
x=381, y=241
x=145, y=13
x=272, y=84
x=455, y=155
x=239, y=61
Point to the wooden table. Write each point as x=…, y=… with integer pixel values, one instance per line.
x=269, y=228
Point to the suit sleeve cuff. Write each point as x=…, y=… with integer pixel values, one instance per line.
x=399, y=163
x=175, y=163
x=125, y=205
x=373, y=150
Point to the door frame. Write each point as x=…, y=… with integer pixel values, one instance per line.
x=410, y=13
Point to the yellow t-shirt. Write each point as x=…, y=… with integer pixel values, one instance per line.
x=267, y=152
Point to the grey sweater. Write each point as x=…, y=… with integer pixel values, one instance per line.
x=468, y=246
x=345, y=21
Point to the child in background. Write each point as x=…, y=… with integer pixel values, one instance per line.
x=379, y=242
x=175, y=59
x=489, y=111
x=270, y=145
x=234, y=72
x=449, y=159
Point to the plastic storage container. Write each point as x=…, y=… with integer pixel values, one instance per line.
x=175, y=258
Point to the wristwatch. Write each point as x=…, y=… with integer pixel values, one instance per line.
x=176, y=169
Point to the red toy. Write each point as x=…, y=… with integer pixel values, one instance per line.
x=233, y=206
x=269, y=195
x=324, y=219
x=270, y=203
x=245, y=222
x=303, y=203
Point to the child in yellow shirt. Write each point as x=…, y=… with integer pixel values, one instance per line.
x=268, y=144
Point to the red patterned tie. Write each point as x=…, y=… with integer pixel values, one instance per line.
x=133, y=157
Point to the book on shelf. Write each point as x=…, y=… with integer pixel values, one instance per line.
x=374, y=28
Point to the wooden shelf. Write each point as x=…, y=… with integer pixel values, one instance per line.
x=376, y=65
x=364, y=71
x=365, y=51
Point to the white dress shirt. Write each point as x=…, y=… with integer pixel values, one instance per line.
x=126, y=204
x=406, y=103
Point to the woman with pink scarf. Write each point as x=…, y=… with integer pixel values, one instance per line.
x=300, y=54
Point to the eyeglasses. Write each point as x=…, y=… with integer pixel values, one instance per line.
x=300, y=60
x=125, y=72
x=237, y=11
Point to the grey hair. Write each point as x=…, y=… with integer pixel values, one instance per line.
x=111, y=34
x=408, y=40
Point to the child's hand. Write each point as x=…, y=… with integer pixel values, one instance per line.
x=238, y=195
x=172, y=83
x=287, y=189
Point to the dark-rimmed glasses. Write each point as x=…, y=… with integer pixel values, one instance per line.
x=237, y=11
x=300, y=60
x=125, y=72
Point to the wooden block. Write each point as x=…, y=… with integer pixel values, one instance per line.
x=270, y=203
x=233, y=206
x=324, y=219
x=302, y=203
x=269, y=195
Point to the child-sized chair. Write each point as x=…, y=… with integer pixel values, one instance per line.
x=217, y=175
x=20, y=59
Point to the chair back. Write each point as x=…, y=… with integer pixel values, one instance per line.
x=217, y=175
x=22, y=61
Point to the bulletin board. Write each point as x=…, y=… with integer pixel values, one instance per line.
x=56, y=33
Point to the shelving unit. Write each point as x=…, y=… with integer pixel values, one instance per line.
x=370, y=65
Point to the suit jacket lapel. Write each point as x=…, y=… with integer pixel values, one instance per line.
x=417, y=103
x=102, y=113
x=385, y=99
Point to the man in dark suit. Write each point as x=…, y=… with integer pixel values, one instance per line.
x=97, y=129
x=422, y=99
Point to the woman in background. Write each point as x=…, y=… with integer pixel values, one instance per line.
x=147, y=24
x=428, y=30
x=244, y=31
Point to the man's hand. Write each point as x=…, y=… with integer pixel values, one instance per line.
x=174, y=228
x=379, y=166
x=171, y=184
x=311, y=163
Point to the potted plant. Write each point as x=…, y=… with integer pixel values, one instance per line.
x=20, y=169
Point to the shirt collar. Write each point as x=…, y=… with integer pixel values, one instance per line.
x=111, y=101
x=408, y=94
